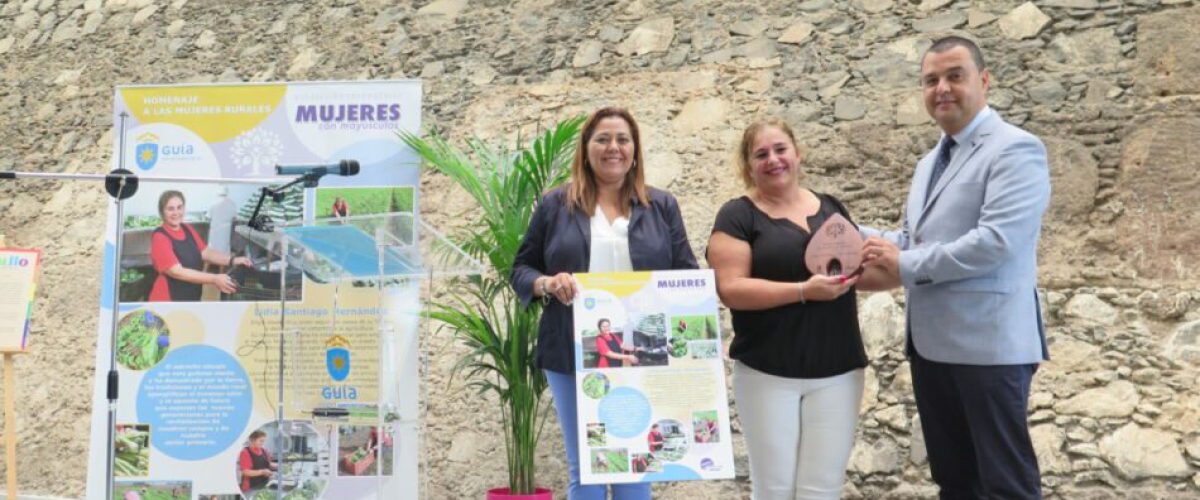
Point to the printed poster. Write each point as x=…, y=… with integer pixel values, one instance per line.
x=652, y=403
x=18, y=284
x=202, y=293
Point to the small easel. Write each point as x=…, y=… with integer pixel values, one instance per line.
x=10, y=424
x=10, y=412
x=10, y=415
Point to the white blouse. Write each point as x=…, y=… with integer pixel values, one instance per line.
x=610, y=244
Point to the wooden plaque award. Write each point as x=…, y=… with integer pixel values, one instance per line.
x=835, y=248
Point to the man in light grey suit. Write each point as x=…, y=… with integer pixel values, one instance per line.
x=967, y=258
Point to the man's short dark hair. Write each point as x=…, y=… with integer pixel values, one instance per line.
x=946, y=43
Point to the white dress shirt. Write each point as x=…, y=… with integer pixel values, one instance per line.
x=610, y=244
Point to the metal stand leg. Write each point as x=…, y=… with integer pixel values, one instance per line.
x=282, y=332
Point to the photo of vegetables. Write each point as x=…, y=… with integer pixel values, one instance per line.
x=142, y=340
x=595, y=385
x=595, y=434
x=361, y=450
x=153, y=490
x=679, y=348
x=686, y=328
x=610, y=461
x=132, y=450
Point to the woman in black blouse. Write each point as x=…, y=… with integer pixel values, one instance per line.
x=798, y=376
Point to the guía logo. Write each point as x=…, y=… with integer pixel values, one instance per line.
x=146, y=152
x=150, y=150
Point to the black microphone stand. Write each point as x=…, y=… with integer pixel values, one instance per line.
x=263, y=223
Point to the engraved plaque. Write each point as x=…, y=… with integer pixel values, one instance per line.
x=835, y=248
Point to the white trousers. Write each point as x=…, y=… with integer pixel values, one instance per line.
x=799, y=432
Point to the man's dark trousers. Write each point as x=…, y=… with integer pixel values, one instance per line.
x=976, y=432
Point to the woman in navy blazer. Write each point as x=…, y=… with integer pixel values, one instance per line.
x=605, y=219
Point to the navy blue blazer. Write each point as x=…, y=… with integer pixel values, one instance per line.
x=559, y=240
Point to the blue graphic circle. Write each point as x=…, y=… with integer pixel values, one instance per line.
x=625, y=412
x=197, y=402
x=672, y=472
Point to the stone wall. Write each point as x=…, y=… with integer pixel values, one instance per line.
x=1110, y=85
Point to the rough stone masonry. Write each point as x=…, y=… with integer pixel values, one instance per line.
x=1111, y=85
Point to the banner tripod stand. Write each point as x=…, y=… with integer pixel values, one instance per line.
x=120, y=184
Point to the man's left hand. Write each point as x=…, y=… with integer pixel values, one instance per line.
x=881, y=253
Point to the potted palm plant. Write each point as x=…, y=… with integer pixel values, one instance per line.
x=483, y=311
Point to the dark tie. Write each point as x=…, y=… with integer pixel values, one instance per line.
x=940, y=164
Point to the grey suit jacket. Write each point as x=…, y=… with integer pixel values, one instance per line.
x=968, y=257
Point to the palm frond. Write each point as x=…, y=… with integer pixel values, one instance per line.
x=484, y=312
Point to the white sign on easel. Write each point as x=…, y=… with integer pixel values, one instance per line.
x=18, y=282
x=18, y=273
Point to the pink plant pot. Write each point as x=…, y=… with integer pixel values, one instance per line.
x=503, y=494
